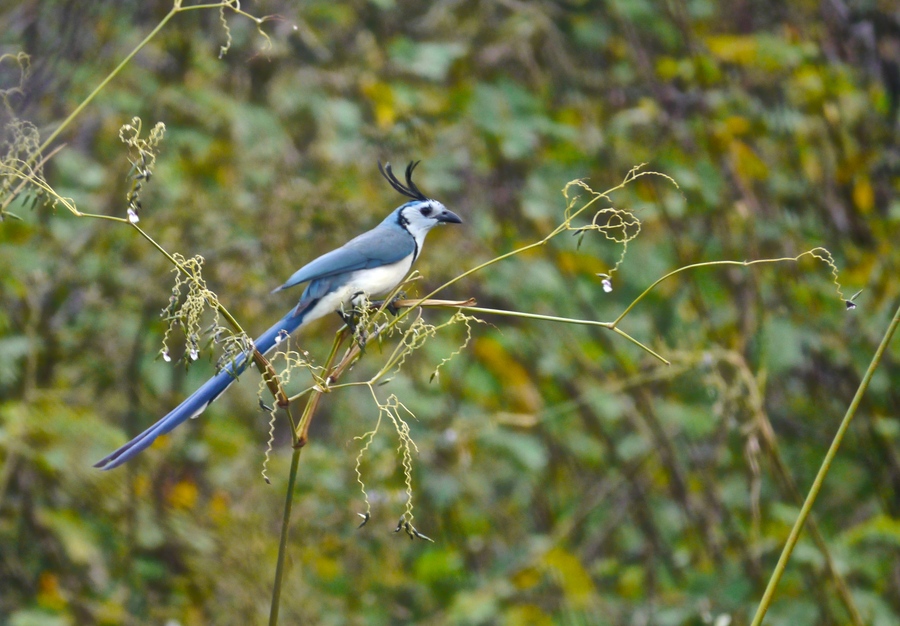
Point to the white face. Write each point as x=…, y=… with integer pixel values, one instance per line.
x=420, y=216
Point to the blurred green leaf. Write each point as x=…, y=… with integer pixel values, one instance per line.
x=431, y=60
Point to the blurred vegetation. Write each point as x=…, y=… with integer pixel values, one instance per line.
x=565, y=475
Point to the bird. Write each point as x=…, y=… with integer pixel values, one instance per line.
x=371, y=264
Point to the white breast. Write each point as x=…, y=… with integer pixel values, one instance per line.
x=372, y=282
x=380, y=280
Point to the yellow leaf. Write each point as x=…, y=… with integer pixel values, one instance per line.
x=49, y=594
x=327, y=568
x=863, y=194
x=632, y=582
x=183, y=495
x=219, y=506
x=141, y=485
x=520, y=391
x=526, y=578
x=748, y=165
x=577, y=586
x=578, y=263
x=812, y=166
x=737, y=125
x=738, y=49
x=667, y=68
x=383, y=103
x=527, y=615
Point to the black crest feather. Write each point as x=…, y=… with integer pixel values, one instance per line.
x=409, y=189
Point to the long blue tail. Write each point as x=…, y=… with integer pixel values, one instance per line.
x=197, y=402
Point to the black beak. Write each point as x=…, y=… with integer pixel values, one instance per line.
x=448, y=217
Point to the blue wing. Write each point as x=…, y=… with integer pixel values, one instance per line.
x=384, y=245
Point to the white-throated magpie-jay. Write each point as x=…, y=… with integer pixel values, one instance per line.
x=371, y=264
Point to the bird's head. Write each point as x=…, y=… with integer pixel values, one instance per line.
x=422, y=213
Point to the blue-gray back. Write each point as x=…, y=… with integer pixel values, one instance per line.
x=385, y=244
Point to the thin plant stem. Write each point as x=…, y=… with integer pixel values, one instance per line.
x=534, y=316
x=299, y=440
x=622, y=333
x=823, y=472
x=108, y=78
x=175, y=10
x=562, y=320
x=221, y=309
x=562, y=227
x=764, y=427
x=712, y=264
x=29, y=178
x=818, y=538
x=282, y=543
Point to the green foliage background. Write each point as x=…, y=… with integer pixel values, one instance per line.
x=565, y=476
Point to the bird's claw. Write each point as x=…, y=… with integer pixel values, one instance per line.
x=392, y=307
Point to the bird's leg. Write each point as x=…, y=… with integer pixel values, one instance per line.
x=347, y=318
x=351, y=319
x=391, y=307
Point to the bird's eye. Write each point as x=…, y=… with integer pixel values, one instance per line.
x=426, y=210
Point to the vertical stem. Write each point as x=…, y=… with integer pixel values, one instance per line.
x=840, y=584
x=103, y=84
x=299, y=440
x=823, y=471
x=282, y=544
